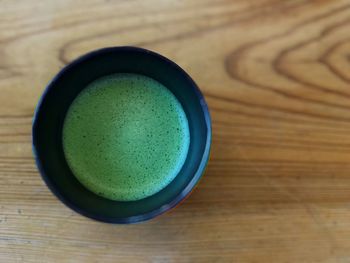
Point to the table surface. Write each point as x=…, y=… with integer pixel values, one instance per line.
x=276, y=76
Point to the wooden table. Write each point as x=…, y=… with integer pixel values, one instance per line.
x=276, y=76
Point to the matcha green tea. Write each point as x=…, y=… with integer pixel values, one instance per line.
x=125, y=137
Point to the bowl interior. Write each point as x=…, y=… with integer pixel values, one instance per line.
x=51, y=111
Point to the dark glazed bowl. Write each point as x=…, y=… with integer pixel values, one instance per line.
x=51, y=111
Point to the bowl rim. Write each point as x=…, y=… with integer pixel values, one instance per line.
x=160, y=210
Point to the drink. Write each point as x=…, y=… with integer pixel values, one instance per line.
x=125, y=137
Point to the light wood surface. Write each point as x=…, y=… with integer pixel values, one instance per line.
x=276, y=76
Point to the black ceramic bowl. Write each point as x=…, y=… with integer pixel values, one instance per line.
x=51, y=111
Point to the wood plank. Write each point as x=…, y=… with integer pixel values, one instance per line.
x=276, y=77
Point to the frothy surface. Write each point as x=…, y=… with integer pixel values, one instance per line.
x=125, y=137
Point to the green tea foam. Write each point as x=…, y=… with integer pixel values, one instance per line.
x=125, y=137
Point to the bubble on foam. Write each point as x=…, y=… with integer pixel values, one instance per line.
x=133, y=147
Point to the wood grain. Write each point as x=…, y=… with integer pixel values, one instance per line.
x=276, y=75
